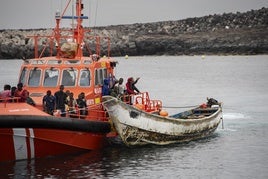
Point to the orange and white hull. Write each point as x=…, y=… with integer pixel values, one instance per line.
x=25, y=136
x=26, y=143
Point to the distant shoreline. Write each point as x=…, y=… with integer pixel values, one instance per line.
x=226, y=34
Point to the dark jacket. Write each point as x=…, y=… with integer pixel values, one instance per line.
x=61, y=99
x=105, y=88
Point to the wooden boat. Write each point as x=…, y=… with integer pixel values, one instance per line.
x=27, y=131
x=139, y=124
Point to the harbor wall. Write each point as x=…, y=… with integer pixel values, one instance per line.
x=219, y=34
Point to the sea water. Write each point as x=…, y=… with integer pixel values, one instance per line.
x=238, y=148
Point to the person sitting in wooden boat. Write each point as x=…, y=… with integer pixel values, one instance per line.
x=49, y=102
x=22, y=93
x=211, y=102
x=61, y=100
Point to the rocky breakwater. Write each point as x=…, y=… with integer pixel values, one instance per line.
x=225, y=34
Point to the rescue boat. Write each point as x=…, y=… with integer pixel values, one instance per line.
x=26, y=131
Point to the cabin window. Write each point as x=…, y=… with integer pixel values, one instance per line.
x=38, y=62
x=72, y=62
x=34, y=77
x=100, y=75
x=87, y=62
x=84, y=78
x=23, y=75
x=54, y=62
x=51, y=77
x=69, y=77
x=104, y=73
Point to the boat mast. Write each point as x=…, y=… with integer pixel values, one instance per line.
x=78, y=32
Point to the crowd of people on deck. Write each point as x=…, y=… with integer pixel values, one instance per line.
x=61, y=102
x=116, y=88
x=16, y=93
x=64, y=101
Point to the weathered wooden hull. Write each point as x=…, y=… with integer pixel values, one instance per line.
x=137, y=127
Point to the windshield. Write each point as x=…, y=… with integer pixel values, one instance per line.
x=34, y=77
x=51, y=77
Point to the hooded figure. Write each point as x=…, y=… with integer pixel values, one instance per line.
x=105, y=87
x=131, y=88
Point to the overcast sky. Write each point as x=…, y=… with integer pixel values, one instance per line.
x=26, y=14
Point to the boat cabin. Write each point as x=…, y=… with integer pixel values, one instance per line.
x=77, y=75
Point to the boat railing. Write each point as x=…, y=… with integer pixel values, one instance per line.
x=143, y=102
x=88, y=113
x=9, y=100
x=52, y=44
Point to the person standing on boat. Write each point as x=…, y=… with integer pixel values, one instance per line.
x=61, y=100
x=131, y=89
x=82, y=105
x=49, y=103
x=130, y=85
x=105, y=87
x=71, y=104
x=120, y=88
x=22, y=93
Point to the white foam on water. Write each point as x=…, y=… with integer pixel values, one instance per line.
x=234, y=116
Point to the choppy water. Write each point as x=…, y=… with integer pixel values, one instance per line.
x=239, y=150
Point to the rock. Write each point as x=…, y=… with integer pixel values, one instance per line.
x=225, y=34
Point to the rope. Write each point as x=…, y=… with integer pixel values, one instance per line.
x=180, y=106
x=96, y=13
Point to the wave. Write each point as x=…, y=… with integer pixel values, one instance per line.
x=234, y=116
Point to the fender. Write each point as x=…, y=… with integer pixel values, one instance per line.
x=51, y=122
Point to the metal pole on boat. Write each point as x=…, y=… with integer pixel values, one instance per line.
x=222, y=125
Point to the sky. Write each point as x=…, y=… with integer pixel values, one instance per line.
x=28, y=14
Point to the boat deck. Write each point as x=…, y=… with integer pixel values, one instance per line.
x=195, y=113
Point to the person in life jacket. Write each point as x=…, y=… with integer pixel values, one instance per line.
x=22, y=93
